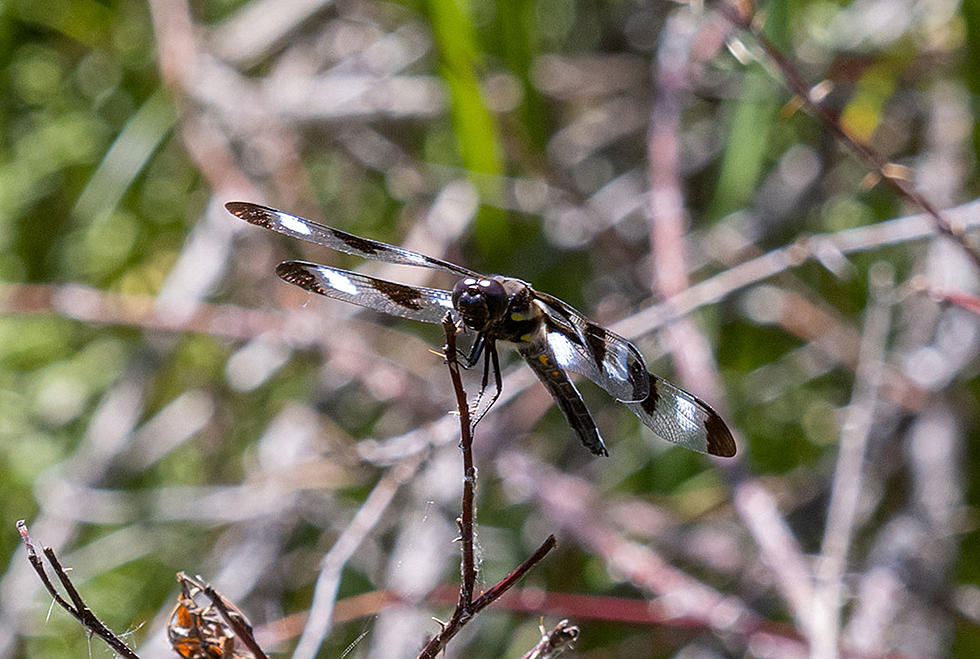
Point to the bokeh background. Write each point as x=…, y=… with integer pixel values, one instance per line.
x=166, y=403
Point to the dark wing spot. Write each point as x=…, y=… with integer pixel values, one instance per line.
x=718, y=437
x=550, y=325
x=649, y=403
x=595, y=336
x=251, y=213
x=362, y=245
x=638, y=376
x=403, y=296
x=720, y=440
x=300, y=276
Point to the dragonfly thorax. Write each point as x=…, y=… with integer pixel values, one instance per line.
x=479, y=301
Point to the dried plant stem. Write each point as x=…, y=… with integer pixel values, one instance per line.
x=824, y=626
x=466, y=606
x=692, y=353
x=465, y=521
x=233, y=618
x=875, y=161
x=554, y=642
x=318, y=624
x=820, y=247
x=77, y=607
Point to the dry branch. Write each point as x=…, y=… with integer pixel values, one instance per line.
x=77, y=607
x=466, y=606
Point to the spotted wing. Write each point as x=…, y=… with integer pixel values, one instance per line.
x=310, y=231
x=683, y=418
x=415, y=302
x=591, y=350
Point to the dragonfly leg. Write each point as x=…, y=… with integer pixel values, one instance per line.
x=470, y=360
x=491, y=362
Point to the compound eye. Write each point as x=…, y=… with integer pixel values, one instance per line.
x=463, y=287
x=479, y=301
x=495, y=294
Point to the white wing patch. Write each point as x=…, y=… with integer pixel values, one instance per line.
x=415, y=258
x=687, y=415
x=294, y=224
x=616, y=367
x=562, y=348
x=339, y=281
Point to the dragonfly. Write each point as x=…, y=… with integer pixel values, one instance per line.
x=553, y=338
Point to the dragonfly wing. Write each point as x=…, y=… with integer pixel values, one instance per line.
x=320, y=234
x=683, y=418
x=415, y=302
x=588, y=349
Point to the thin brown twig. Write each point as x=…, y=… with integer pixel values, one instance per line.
x=77, y=608
x=554, y=642
x=758, y=269
x=875, y=161
x=666, y=212
x=468, y=566
x=674, y=596
x=532, y=600
x=467, y=607
x=692, y=354
x=187, y=69
x=320, y=618
x=824, y=627
x=38, y=566
x=92, y=305
x=461, y=616
x=502, y=586
x=234, y=618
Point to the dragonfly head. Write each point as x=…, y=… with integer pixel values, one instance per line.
x=479, y=301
